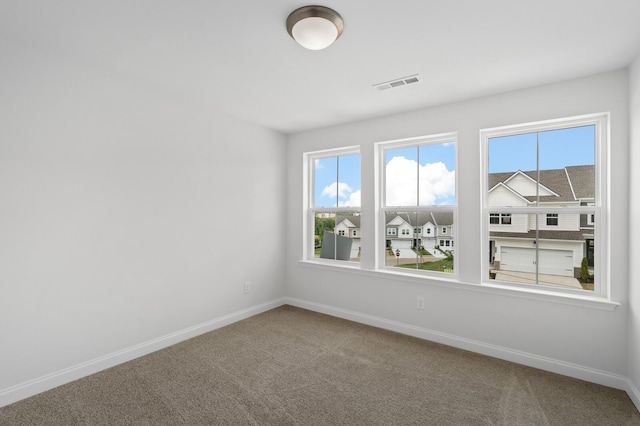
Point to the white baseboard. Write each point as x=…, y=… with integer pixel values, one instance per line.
x=524, y=358
x=58, y=378
x=634, y=393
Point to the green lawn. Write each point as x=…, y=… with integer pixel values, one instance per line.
x=438, y=265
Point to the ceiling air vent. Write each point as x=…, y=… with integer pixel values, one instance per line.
x=404, y=81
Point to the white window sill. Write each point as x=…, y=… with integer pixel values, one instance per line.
x=452, y=282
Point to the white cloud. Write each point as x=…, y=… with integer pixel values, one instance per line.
x=437, y=184
x=353, y=201
x=341, y=188
x=347, y=197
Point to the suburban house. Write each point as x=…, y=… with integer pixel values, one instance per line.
x=156, y=179
x=422, y=229
x=404, y=231
x=349, y=226
x=562, y=239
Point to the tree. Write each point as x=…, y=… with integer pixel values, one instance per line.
x=584, y=270
x=322, y=224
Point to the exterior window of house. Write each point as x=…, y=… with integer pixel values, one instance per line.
x=333, y=205
x=444, y=230
x=590, y=218
x=405, y=232
x=547, y=181
x=417, y=186
x=391, y=231
x=442, y=243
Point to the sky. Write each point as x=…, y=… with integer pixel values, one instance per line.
x=337, y=179
x=558, y=148
x=420, y=175
x=432, y=166
x=344, y=169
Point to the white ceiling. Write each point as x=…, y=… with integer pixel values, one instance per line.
x=237, y=55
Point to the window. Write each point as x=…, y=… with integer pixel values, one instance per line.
x=590, y=218
x=333, y=205
x=500, y=218
x=418, y=187
x=391, y=231
x=546, y=181
x=444, y=230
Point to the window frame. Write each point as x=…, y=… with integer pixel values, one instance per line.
x=380, y=149
x=372, y=264
x=601, y=123
x=309, y=210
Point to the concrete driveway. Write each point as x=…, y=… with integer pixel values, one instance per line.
x=406, y=253
x=528, y=278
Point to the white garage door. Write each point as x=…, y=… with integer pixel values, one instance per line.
x=551, y=262
x=398, y=244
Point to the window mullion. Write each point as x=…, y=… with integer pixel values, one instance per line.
x=417, y=176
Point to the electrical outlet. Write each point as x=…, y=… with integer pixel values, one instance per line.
x=419, y=302
x=247, y=287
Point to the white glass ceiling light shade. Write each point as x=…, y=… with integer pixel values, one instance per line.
x=315, y=27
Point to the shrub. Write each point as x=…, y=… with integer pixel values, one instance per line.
x=584, y=270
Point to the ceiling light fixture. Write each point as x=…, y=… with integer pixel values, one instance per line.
x=315, y=27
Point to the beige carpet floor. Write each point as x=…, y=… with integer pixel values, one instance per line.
x=290, y=366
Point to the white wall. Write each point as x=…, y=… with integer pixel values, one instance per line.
x=576, y=340
x=126, y=214
x=634, y=235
